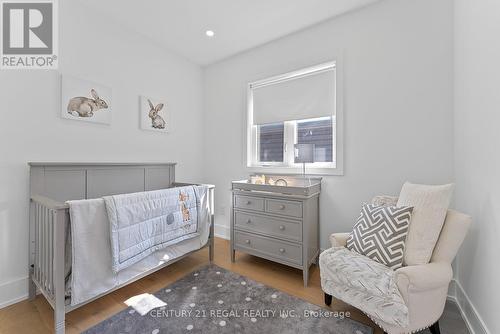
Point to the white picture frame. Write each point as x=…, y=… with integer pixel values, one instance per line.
x=153, y=114
x=87, y=101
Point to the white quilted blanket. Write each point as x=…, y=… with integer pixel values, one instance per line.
x=364, y=284
x=142, y=223
x=91, y=272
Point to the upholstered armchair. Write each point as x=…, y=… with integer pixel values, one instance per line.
x=424, y=288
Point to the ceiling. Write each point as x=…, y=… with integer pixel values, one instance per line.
x=239, y=25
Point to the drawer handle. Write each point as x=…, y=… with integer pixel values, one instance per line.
x=282, y=250
x=282, y=207
x=249, y=202
x=247, y=241
x=249, y=221
x=282, y=228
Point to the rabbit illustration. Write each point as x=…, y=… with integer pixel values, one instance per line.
x=157, y=121
x=84, y=106
x=186, y=215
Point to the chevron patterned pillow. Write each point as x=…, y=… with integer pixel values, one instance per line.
x=380, y=234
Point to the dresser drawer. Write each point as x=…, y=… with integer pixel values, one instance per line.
x=269, y=226
x=286, y=208
x=269, y=247
x=249, y=203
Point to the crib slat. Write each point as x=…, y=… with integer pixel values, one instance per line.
x=38, y=246
x=35, y=225
x=40, y=233
x=51, y=251
x=49, y=216
x=35, y=261
x=41, y=243
x=46, y=249
x=44, y=246
x=40, y=264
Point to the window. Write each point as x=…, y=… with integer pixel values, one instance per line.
x=271, y=142
x=294, y=108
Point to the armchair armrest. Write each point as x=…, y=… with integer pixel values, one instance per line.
x=339, y=239
x=423, y=277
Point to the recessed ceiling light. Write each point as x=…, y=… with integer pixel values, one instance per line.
x=210, y=33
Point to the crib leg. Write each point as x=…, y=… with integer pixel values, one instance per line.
x=59, y=319
x=211, y=246
x=62, y=217
x=211, y=250
x=31, y=284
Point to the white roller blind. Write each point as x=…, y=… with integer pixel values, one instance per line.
x=302, y=97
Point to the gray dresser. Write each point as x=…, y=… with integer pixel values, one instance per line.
x=278, y=223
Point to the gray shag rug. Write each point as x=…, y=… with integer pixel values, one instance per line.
x=213, y=300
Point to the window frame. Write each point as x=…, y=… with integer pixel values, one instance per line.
x=290, y=129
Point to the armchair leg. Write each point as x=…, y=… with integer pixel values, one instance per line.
x=435, y=328
x=328, y=299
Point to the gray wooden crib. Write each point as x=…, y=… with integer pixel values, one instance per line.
x=51, y=185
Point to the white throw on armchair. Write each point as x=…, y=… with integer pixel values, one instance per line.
x=424, y=288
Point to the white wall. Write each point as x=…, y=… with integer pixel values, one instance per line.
x=31, y=129
x=398, y=100
x=477, y=160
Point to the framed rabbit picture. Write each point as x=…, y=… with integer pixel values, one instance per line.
x=153, y=114
x=86, y=101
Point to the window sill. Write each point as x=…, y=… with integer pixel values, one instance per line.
x=295, y=170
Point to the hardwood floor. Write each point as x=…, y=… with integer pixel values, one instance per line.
x=37, y=316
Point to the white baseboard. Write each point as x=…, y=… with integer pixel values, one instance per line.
x=221, y=231
x=452, y=291
x=13, y=292
x=469, y=312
